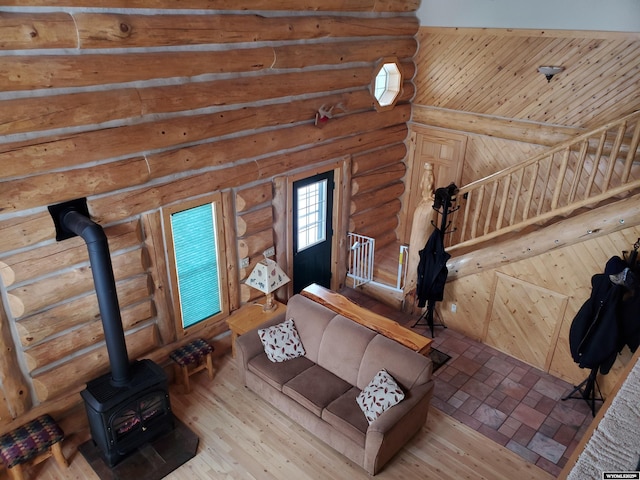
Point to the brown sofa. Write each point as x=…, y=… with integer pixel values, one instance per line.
x=319, y=389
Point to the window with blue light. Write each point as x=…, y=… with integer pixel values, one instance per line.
x=198, y=263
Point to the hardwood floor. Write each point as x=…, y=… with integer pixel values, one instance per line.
x=243, y=437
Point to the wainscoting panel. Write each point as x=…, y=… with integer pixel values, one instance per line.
x=524, y=320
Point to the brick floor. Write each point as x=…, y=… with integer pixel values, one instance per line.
x=508, y=401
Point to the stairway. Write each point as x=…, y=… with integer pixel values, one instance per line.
x=596, y=173
x=591, y=170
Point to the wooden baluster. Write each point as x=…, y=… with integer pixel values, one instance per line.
x=633, y=147
x=578, y=171
x=532, y=190
x=596, y=163
x=465, y=219
x=503, y=202
x=560, y=180
x=492, y=202
x=516, y=196
x=476, y=213
x=545, y=183
x=613, y=156
x=631, y=154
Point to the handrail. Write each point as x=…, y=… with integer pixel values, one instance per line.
x=581, y=172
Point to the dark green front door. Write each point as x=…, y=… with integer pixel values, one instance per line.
x=312, y=232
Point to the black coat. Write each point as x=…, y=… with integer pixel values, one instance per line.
x=594, y=336
x=630, y=318
x=606, y=322
x=432, y=270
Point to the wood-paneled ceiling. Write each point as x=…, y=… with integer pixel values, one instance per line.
x=494, y=72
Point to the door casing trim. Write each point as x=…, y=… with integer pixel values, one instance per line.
x=283, y=220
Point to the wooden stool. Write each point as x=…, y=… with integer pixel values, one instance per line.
x=36, y=441
x=189, y=360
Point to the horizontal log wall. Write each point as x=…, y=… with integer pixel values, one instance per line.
x=375, y=204
x=140, y=105
x=483, y=83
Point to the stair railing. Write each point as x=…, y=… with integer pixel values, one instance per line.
x=581, y=172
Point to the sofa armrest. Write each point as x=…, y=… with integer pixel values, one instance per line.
x=249, y=344
x=391, y=430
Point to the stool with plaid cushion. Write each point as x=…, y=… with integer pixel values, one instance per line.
x=192, y=358
x=36, y=441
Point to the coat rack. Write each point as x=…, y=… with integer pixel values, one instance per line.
x=432, y=269
x=443, y=205
x=605, y=323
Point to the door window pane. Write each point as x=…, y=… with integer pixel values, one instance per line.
x=311, y=214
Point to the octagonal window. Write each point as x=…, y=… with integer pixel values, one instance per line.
x=387, y=81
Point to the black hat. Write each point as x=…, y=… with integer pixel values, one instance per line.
x=615, y=265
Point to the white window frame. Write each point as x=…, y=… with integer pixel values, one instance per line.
x=318, y=216
x=386, y=84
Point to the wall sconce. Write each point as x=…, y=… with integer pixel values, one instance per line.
x=549, y=71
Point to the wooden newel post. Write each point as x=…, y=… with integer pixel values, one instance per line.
x=421, y=229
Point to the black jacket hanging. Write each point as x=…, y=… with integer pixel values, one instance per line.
x=594, y=336
x=607, y=321
x=432, y=270
x=630, y=318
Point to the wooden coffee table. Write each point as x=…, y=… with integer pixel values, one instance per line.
x=248, y=317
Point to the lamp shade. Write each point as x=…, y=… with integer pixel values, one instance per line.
x=267, y=276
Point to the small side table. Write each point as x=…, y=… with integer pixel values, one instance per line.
x=247, y=318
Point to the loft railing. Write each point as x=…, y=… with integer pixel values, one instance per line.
x=582, y=172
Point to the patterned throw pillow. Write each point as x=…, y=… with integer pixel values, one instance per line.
x=381, y=394
x=281, y=342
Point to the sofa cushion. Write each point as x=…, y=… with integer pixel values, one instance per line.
x=277, y=374
x=342, y=347
x=281, y=342
x=345, y=415
x=310, y=318
x=315, y=388
x=381, y=394
x=407, y=367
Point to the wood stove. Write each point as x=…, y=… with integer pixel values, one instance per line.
x=121, y=419
x=129, y=406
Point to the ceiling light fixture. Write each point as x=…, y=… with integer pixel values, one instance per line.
x=549, y=71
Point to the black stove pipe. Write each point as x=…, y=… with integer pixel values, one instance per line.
x=105, y=286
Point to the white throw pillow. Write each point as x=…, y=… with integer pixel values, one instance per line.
x=281, y=342
x=381, y=394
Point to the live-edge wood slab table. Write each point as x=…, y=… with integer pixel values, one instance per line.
x=345, y=307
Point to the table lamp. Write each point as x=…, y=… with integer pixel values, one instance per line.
x=267, y=277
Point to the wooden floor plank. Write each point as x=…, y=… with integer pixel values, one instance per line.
x=243, y=437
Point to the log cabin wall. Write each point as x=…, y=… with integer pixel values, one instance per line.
x=483, y=84
x=139, y=105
